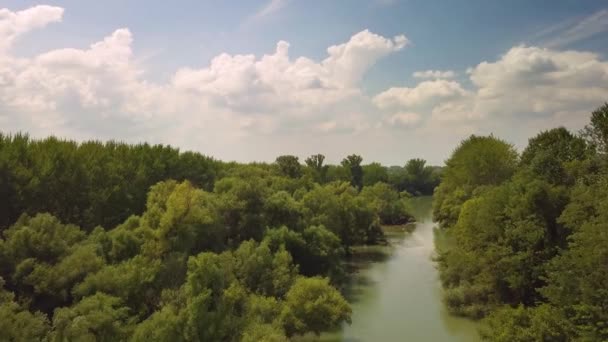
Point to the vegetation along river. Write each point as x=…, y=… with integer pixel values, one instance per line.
x=396, y=295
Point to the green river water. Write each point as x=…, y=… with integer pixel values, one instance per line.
x=396, y=294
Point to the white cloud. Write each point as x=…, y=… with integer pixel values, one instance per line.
x=455, y=111
x=536, y=80
x=299, y=87
x=435, y=74
x=101, y=92
x=405, y=119
x=14, y=24
x=424, y=94
x=348, y=62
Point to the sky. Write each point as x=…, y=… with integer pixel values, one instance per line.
x=250, y=80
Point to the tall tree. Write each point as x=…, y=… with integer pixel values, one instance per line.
x=353, y=164
x=551, y=153
x=477, y=161
x=596, y=132
x=289, y=166
x=374, y=173
x=315, y=163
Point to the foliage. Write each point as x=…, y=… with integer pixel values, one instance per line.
x=374, y=173
x=116, y=242
x=289, y=166
x=313, y=305
x=528, y=250
x=96, y=318
x=352, y=164
x=596, y=133
x=476, y=162
x=91, y=183
x=391, y=206
x=544, y=323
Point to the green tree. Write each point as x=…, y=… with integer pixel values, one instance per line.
x=420, y=178
x=289, y=166
x=165, y=324
x=315, y=163
x=551, y=153
x=241, y=207
x=374, y=173
x=391, y=208
x=543, y=323
x=313, y=305
x=352, y=163
x=18, y=324
x=476, y=162
x=96, y=318
x=596, y=132
x=577, y=281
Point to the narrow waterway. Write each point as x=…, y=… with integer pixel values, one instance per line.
x=396, y=295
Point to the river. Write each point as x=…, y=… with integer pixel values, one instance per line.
x=396, y=294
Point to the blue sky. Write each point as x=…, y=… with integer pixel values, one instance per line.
x=505, y=67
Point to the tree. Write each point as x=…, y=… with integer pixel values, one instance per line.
x=289, y=166
x=543, y=323
x=338, y=207
x=420, y=178
x=552, y=152
x=165, y=324
x=353, y=164
x=316, y=250
x=96, y=318
x=133, y=281
x=313, y=305
x=43, y=259
x=388, y=204
x=283, y=210
x=374, y=173
x=263, y=333
x=17, y=323
x=183, y=218
x=315, y=163
x=501, y=244
x=476, y=162
x=241, y=207
x=577, y=281
x=596, y=132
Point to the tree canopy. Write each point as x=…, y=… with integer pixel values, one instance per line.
x=526, y=240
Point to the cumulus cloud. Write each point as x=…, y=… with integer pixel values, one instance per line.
x=405, y=120
x=535, y=80
x=90, y=92
x=15, y=24
x=424, y=94
x=348, y=62
x=434, y=74
x=301, y=86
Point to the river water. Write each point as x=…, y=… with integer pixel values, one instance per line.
x=396, y=294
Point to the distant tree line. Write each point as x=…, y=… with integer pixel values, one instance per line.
x=101, y=184
x=526, y=235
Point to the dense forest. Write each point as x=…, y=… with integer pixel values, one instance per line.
x=526, y=235
x=114, y=242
